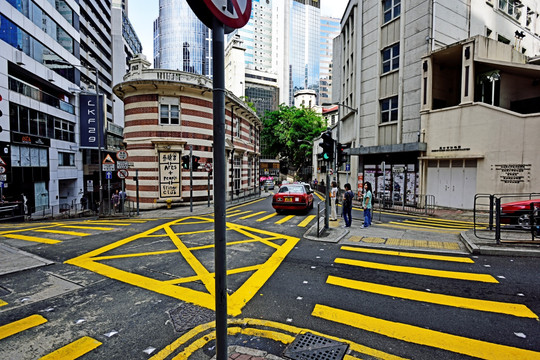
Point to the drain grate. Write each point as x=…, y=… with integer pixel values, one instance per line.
x=312, y=347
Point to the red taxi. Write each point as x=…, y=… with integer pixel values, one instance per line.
x=517, y=213
x=293, y=197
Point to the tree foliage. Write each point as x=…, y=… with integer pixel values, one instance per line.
x=283, y=128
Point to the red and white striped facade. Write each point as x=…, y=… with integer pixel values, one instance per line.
x=155, y=148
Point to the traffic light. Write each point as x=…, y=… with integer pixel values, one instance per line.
x=185, y=162
x=195, y=162
x=327, y=146
x=341, y=156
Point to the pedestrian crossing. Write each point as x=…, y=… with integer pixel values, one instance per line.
x=269, y=217
x=419, y=333
x=73, y=350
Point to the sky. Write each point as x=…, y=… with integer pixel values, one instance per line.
x=142, y=16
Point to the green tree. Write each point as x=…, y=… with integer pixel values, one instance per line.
x=289, y=133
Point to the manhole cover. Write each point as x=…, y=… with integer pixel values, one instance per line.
x=312, y=347
x=187, y=316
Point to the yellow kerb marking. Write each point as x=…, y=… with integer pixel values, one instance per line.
x=267, y=217
x=408, y=254
x=21, y=325
x=420, y=271
x=31, y=238
x=73, y=233
x=286, y=218
x=307, y=220
x=73, y=350
x=421, y=336
x=440, y=299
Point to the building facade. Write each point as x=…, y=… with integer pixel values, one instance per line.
x=329, y=30
x=377, y=62
x=169, y=115
x=181, y=41
x=49, y=50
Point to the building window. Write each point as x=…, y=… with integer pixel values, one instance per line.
x=25, y=156
x=390, y=57
x=392, y=9
x=169, y=111
x=511, y=7
x=237, y=172
x=66, y=159
x=64, y=130
x=389, y=109
x=237, y=128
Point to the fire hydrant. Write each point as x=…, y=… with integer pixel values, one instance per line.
x=169, y=203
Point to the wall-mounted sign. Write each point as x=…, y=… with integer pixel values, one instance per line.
x=89, y=121
x=513, y=173
x=169, y=174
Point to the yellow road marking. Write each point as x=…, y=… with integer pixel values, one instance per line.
x=236, y=300
x=283, y=333
x=28, y=229
x=73, y=350
x=74, y=233
x=246, y=204
x=408, y=254
x=252, y=215
x=440, y=299
x=239, y=213
x=409, y=225
x=285, y=219
x=307, y=220
x=2, y=302
x=320, y=197
x=31, y=238
x=229, y=272
x=267, y=217
x=87, y=227
x=421, y=336
x=110, y=223
x=435, y=224
x=21, y=325
x=420, y=271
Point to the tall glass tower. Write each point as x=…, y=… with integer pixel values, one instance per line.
x=181, y=41
x=304, y=43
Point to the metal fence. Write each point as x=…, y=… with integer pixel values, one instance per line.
x=498, y=217
x=240, y=195
x=78, y=210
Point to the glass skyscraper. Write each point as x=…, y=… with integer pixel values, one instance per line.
x=304, y=42
x=181, y=41
x=330, y=28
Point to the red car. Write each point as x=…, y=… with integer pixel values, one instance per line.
x=518, y=213
x=292, y=197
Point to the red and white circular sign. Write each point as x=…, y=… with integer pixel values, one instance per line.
x=232, y=13
x=122, y=173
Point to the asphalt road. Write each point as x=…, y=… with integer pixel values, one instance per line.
x=143, y=288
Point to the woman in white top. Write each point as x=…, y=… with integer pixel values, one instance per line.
x=333, y=197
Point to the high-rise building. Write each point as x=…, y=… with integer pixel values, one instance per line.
x=330, y=28
x=181, y=41
x=49, y=53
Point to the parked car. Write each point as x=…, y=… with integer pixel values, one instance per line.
x=292, y=197
x=517, y=213
x=269, y=184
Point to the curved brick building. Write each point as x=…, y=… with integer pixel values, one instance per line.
x=169, y=112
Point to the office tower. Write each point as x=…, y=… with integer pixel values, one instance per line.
x=330, y=28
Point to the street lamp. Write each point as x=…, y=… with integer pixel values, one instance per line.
x=100, y=129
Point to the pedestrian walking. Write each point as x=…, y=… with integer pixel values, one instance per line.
x=347, y=205
x=367, y=204
x=333, y=201
x=115, y=200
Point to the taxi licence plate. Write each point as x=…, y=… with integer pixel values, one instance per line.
x=288, y=199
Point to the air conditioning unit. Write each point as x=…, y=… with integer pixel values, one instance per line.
x=19, y=57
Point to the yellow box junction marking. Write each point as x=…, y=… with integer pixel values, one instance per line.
x=87, y=227
x=21, y=325
x=420, y=271
x=440, y=299
x=409, y=254
x=201, y=335
x=73, y=350
x=2, y=303
x=73, y=233
x=31, y=238
x=421, y=336
x=236, y=301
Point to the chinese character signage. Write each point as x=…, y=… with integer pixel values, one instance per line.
x=169, y=174
x=89, y=121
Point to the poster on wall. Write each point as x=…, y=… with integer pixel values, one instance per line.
x=169, y=174
x=360, y=184
x=369, y=175
x=411, y=187
x=398, y=183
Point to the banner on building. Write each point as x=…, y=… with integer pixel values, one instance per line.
x=89, y=121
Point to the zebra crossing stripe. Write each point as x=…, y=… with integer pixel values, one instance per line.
x=285, y=219
x=306, y=221
x=252, y=215
x=267, y=217
x=21, y=325
x=31, y=238
x=74, y=350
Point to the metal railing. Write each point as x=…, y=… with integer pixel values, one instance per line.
x=423, y=205
x=321, y=218
x=495, y=219
x=239, y=195
x=76, y=210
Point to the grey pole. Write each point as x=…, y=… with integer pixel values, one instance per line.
x=219, y=188
x=191, y=178
x=327, y=197
x=137, y=189
x=99, y=135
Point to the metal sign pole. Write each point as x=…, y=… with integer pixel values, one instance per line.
x=190, y=178
x=137, y=189
x=218, y=34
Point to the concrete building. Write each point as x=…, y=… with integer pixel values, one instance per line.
x=48, y=51
x=169, y=114
x=378, y=80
